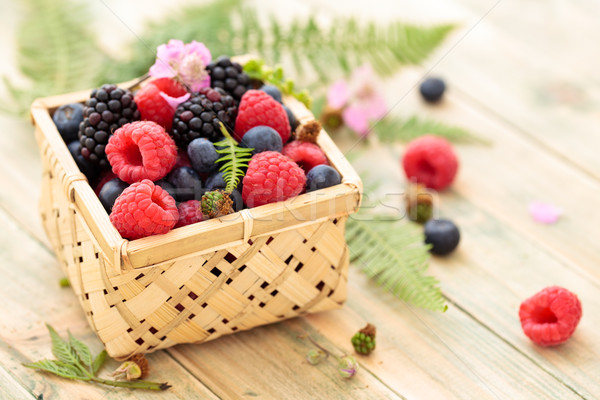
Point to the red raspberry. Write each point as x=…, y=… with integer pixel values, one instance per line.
x=141, y=150
x=189, y=213
x=550, y=316
x=306, y=155
x=258, y=108
x=430, y=160
x=153, y=106
x=144, y=209
x=271, y=177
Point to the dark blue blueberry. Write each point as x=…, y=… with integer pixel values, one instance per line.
x=86, y=167
x=442, y=235
x=236, y=196
x=322, y=176
x=187, y=183
x=171, y=189
x=432, y=89
x=216, y=181
x=272, y=91
x=110, y=191
x=291, y=118
x=203, y=155
x=262, y=138
x=67, y=119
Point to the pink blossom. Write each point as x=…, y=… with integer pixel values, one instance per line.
x=544, y=213
x=174, y=101
x=185, y=62
x=360, y=100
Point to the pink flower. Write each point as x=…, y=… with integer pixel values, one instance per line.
x=544, y=213
x=174, y=101
x=185, y=62
x=359, y=99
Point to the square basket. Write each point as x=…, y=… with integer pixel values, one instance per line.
x=204, y=280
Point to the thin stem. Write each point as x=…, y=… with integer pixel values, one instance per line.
x=323, y=349
x=133, y=384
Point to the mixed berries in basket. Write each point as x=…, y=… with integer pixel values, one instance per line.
x=198, y=140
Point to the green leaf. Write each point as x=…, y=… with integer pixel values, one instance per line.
x=235, y=160
x=82, y=350
x=391, y=129
x=55, y=51
x=59, y=368
x=393, y=253
x=99, y=361
x=62, y=349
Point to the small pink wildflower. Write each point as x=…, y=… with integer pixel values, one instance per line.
x=185, y=62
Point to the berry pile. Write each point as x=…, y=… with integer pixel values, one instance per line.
x=194, y=143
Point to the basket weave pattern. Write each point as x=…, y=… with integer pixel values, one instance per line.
x=193, y=297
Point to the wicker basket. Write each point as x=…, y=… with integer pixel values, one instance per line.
x=201, y=281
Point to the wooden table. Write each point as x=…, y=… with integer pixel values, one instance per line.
x=521, y=74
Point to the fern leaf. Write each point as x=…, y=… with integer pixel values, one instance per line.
x=235, y=160
x=56, y=52
x=390, y=129
x=394, y=254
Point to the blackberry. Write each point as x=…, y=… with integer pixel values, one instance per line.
x=229, y=76
x=201, y=114
x=107, y=109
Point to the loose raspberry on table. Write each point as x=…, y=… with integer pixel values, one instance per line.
x=189, y=213
x=550, y=316
x=271, y=177
x=152, y=104
x=306, y=155
x=141, y=150
x=258, y=108
x=144, y=209
x=430, y=160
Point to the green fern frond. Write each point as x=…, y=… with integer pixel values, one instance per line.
x=256, y=69
x=394, y=255
x=235, y=160
x=55, y=51
x=391, y=129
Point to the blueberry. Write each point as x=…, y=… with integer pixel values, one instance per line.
x=110, y=191
x=443, y=236
x=322, y=176
x=203, y=155
x=432, y=89
x=216, y=181
x=87, y=168
x=272, y=91
x=187, y=183
x=291, y=118
x=169, y=188
x=67, y=119
x=262, y=138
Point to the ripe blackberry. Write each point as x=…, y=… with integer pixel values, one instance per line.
x=107, y=109
x=229, y=76
x=201, y=114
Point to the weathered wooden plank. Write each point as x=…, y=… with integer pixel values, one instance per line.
x=269, y=362
x=433, y=355
x=11, y=389
x=31, y=296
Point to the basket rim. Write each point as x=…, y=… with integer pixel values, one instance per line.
x=211, y=235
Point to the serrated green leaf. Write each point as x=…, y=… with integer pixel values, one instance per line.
x=61, y=349
x=99, y=361
x=81, y=349
x=59, y=368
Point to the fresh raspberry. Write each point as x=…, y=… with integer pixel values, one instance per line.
x=153, y=106
x=550, y=316
x=258, y=108
x=306, y=155
x=271, y=177
x=141, y=150
x=144, y=209
x=189, y=213
x=430, y=160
